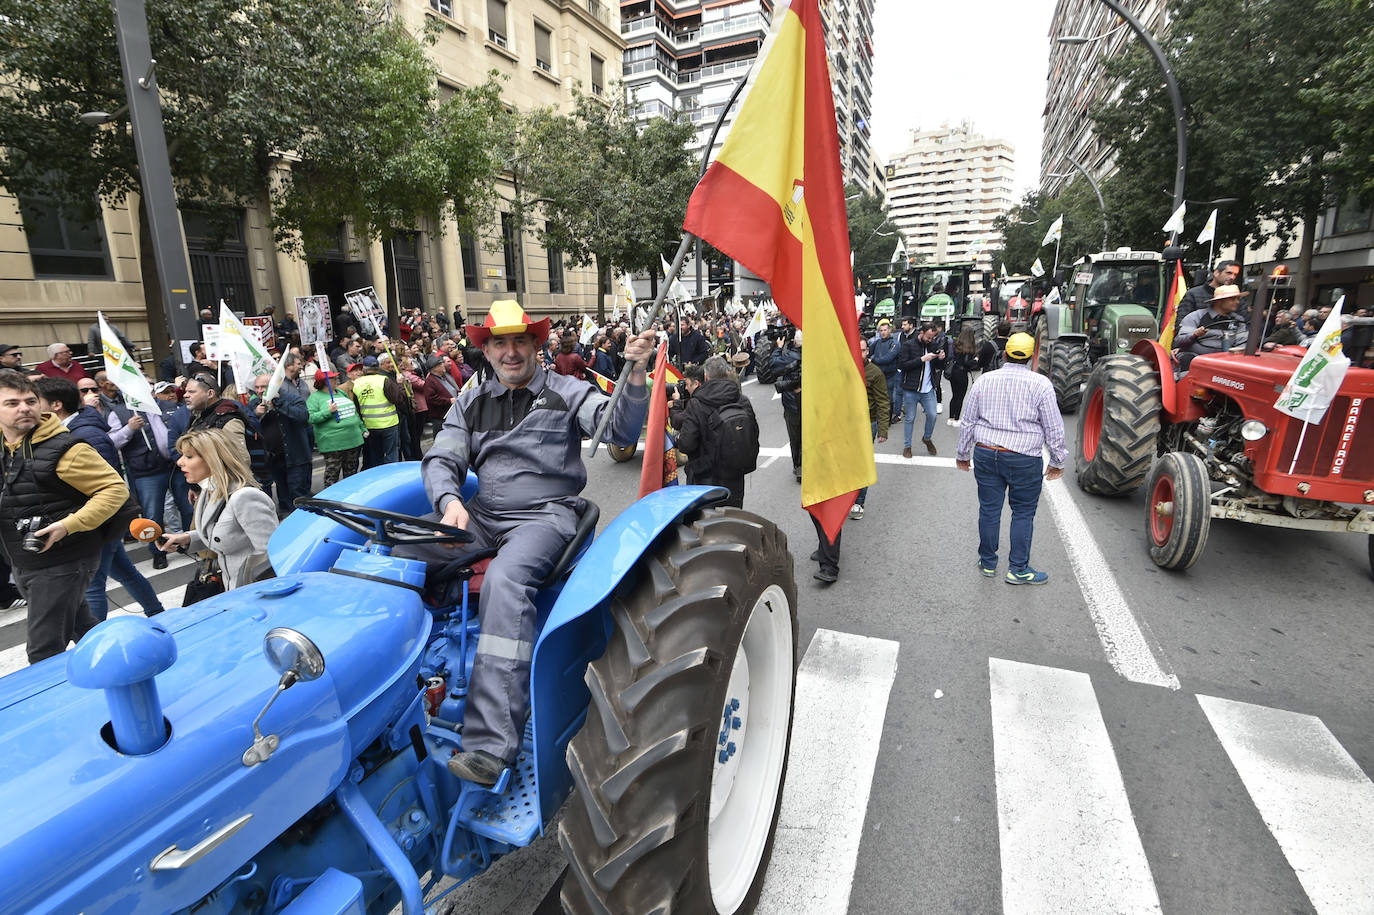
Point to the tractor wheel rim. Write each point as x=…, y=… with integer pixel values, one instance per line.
x=749, y=750
x=1092, y=426
x=1162, y=520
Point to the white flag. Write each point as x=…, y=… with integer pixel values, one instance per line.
x=245, y=352
x=757, y=323
x=1004, y=269
x=121, y=369
x=1175, y=223
x=676, y=290
x=1037, y=268
x=1318, y=376
x=898, y=253
x=274, y=385
x=1056, y=231
x=588, y=330
x=1209, y=231
x=625, y=292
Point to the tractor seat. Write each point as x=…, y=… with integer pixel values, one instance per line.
x=444, y=580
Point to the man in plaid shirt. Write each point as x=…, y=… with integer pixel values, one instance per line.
x=1010, y=417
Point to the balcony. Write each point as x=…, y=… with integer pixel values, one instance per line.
x=733, y=25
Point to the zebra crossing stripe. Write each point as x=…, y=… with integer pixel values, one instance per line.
x=1068, y=839
x=837, y=724
x=1312, y=795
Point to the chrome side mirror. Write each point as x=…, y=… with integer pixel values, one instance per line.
x=298, y=660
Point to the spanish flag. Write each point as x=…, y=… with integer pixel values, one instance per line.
x=601, y=381
x=1169, y=323
x=670, y=373
x=774, y=201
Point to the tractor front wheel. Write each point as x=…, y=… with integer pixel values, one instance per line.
x=1178, y=515
x=1119, y=426
x=680, y=765
x=621, y=455
x=1069, y=368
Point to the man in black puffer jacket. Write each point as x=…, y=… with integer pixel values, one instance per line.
x=697, y=421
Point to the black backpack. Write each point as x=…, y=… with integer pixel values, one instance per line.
x=734, y=441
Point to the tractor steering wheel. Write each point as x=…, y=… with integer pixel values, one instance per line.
x=384, y=527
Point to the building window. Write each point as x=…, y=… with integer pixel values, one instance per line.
x=219, y=259
x=443, y=7
x=543, y=48
x=64, y=240
x=511, y=245
x=1351, y=217
x=468, y=247
x=556, y=286
x=598, y=75
x=496, y=23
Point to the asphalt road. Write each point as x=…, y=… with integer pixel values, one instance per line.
x=1121, y=739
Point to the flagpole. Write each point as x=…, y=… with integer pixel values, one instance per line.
x=1298, y=450
x=1056, y=256
x=623, y=380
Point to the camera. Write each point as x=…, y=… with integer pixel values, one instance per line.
x=683, y=390
x=28, y=527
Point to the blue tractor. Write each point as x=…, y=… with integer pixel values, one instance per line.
x=281, y=748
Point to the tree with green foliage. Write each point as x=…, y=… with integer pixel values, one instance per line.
x=1248, y=71
x=873, y=237
x=1344, y=97
x=602, y=188
x=1025, y=225
x=323, y=111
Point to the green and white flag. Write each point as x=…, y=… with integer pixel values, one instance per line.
x=1037, y=268
x=1318, y=376
x=1209, y=231
x=757, y=323
x=123, y=371
x=243, y=349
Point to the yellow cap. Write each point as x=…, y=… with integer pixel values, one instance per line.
x=1020, y=346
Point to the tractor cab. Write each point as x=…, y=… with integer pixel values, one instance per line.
x=938, y=291
x=1115, y=299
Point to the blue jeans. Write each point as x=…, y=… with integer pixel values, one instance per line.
x=863, y=493
x=114, y=561
x=382, y=446
x=181, y=495
x=1019, y=477
x=910, y=399
x=152, y=494
x=894, y=393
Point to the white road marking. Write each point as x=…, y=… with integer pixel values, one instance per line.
x=1312, y=796
x=777, y=395
x=922, y=460
x=1127, y=647
x=1068, y=839
x=843, y=678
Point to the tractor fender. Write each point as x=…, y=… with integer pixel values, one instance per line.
x=1054, y=315
x=579, y=626
x=1159, y=357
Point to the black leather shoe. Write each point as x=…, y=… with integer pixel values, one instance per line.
x=159, y=560
x=829, y=576
x=478, y=767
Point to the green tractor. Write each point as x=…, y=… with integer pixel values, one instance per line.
x=1114, y=299
x=940, y=292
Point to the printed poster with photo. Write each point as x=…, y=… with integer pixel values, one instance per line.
x=368, y=309
x=315, y=320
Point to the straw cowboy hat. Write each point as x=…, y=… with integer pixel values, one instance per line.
x=1227, y=292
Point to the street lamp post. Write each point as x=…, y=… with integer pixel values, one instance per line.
x=1175, y=97
x=155, y=174
x=1096, y=190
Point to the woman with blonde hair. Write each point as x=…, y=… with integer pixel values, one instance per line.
x=233, y=517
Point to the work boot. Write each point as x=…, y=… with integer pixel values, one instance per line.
x=930, y=446
x=829, y=576
x=906, y=452
x=477, y=766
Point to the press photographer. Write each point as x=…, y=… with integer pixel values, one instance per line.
x=57, y=494
x=716, y=427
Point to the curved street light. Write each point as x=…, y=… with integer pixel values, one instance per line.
x=1096, y=190
x=1175, y=97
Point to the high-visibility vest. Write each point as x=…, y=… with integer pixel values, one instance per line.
x=377, y=412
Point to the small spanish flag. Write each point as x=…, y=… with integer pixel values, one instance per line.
x=774, y=201
x=671, y=374
x=1168, y=326
x=605, y=384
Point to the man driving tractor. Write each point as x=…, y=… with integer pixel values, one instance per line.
x=521, y=431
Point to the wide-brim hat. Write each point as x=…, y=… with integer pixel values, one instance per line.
x=507, y=317
x=1227, y=292
x=740, y=358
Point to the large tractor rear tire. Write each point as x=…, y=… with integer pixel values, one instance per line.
x=1118, y=429
x=990, y=322
x=1069, y=369
x=680, y=766
x=1040, y=329
x=1178, y=516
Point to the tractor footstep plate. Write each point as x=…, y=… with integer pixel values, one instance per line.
x=512, y=817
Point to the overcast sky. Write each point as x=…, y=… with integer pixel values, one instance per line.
x=983, y=61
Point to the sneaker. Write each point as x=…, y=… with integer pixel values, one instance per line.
x=159, y=560
x=829, y=576
x=1026, y=576
x=930, y=446
x=16, y=604
x=856, y=513
x=939, y=408
x=987, y=572
x=815, y=555
x=478, y=767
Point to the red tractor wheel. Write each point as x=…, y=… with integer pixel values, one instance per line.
x=1178, y=510
x=1119, y=428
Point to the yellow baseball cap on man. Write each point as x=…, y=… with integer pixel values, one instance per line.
x=1020, y=346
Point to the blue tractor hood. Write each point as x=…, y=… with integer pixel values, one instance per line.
x=72, y=797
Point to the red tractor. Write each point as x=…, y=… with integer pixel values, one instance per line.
x=1208, y=443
